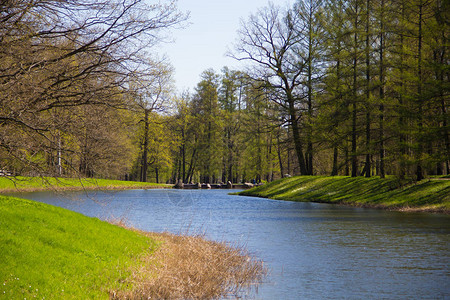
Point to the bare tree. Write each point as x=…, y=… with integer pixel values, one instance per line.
x=272, y=40
x=56, y=55
x=151, y=94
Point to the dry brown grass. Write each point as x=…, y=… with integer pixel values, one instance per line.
x=191, y=267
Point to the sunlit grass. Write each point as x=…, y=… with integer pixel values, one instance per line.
x=373, y=192
x=51, y=252
x=47, y=252
x=14, y=184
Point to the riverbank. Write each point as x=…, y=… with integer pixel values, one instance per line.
x=49, y=252
x=389, y=193
x=35, y=184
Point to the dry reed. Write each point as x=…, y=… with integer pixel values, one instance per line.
x=191, y=267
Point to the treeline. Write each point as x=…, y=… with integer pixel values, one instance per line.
x=228, y=130
x=76, y=77
x=365, y=79
x=357, y=87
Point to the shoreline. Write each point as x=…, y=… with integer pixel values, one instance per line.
x=10, y=185
x=162, y=265
x=427, y=196
x=406, y=209
x=310, y=192
x=192, y=267
x=76, y=188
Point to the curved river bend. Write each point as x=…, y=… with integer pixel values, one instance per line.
x=313, y=251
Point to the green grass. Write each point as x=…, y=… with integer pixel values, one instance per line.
x=53, y=253
x=390, y=193
x=11, y=184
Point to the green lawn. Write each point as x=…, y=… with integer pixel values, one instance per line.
x=49, y=252
x=11, y=184
x=391, y=193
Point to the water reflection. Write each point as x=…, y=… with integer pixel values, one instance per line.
x=314, y=251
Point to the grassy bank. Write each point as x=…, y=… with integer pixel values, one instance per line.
x=389, y=193
x=54, y=253
x=47, y=252
x=30, y=184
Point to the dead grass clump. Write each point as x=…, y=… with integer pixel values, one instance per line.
x=190, y=267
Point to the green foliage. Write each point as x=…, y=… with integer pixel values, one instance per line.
x=62, y=102
x=373, y=192
x=207, y=112
x=332, y=83
x=224, y=132
x=52, y=253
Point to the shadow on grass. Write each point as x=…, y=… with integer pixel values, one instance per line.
x=388, y=193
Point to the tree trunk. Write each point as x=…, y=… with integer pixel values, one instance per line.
x=446, y=135
x=296, y=135
x=347, y=167
x=191, y=166
x=183, y=156
x=230, y=156
x=367, y=166
x=230, y=168
x=59, y=156
x=440, y=76
x=402, y=137
x=419, y=170
x=144, y=159
x=355, y=96
x=354, y=157
x=289, y=161
x=334, y=172
x=280, y=161
x=381, y=143
x=309, y=147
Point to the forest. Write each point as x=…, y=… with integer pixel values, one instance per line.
x=355, y=88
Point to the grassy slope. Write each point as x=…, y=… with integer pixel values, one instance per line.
x=50, y=252
x=15, y=184
x=432, y=195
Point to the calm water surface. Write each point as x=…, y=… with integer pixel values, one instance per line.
x=313, y=251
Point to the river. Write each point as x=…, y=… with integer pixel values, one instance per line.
x=312, y=251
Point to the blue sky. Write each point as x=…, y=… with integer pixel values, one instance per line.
x=203, y=43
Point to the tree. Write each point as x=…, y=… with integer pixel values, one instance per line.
x=419, y=61
x=185, y=125
x=102, y=145
x=152, y=94
x=382, y=79
x=311, y=15
x=230, y=97
x=333, y=107
x=207, y=111
x=259, y=121
x=57, y=55
x=272, y=40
